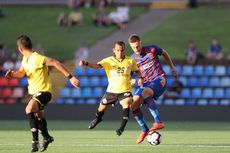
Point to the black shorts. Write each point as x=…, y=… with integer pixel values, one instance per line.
x=42, y=98
x=112, y=98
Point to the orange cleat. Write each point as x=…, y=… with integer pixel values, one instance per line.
x=157, y=126
x=142, y=137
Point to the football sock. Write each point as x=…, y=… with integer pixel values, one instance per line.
x=140, y=120
x=99, y=114
x=124, y=118
x=152, y=108
x=43, y=128
x=33, y=121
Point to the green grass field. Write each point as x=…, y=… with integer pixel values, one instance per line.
x=74, y=137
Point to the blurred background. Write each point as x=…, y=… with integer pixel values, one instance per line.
x=194, y=32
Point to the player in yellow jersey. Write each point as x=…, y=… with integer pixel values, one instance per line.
x=118, y=69
x=35, y=67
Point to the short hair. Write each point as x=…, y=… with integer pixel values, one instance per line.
x=134, y=38
x=120, y=43
x=25, y=42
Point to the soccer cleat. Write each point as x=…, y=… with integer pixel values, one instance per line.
x=119, y=132
x=35, y=146
x=157, y=126
x=142, y=137
x=94, y=123
x=45, y=144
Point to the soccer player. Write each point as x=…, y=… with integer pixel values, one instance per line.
x=154, y=79
x=35, y=67
x=118, y=69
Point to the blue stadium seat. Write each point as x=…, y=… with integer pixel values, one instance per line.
x=84, y=81
x=100, y=72
x=79, y=71
x=196, y=92
x=214, y=81
x=227, y=93
x=220, y=70
x=168, y=102
x=190, y=102
x=213, y=102
x=183, y=80
x=98, y=92
x=192, y=82
x=167, y=69
x=75, y=92
x=209, y=70
x=225, y=82
x=198, y=70
x=87, y=92
x=65, y=92
x=187, y=70
x=79, y=101
x=91, y=101
x=219, y=93
x=228, y=71
x=170, y=80
x=94, y=81
x=23, y=82
x=179, y=102
x=224, y=102
x=203, y=81
x=185, y=93
x=90, y=71
x=202, y=102
x=179, y=69
x=69, y=101
x=103, y=81
x=207, y=93
x=58, y=101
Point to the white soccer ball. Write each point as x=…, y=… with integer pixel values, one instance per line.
x=154, y=138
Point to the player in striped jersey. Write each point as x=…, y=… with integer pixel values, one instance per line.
x=154, y=82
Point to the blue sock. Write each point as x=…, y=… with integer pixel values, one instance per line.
x=140, y=120
x=152, y=108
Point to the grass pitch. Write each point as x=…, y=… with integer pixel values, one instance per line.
x=74, y=137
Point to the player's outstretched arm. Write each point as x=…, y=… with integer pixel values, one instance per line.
x=89, y=64
x=170, y=63
x=60, y=67
x=15, y=74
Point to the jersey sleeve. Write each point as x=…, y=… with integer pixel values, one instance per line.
x=40, y=61
x=157, y=49
x=104, y=63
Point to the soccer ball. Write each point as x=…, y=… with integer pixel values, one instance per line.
x=154, y=138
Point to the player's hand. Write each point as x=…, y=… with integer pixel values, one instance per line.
x=140, y=82
x=133, y=81
x=174, y=72
x=81, y=63
x=8, y=74
x=75, y=82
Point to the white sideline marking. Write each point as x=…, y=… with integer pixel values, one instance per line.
x=108, y=145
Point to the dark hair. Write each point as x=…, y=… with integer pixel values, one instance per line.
x=25, y=41
x=134, y=38
x=121, y=43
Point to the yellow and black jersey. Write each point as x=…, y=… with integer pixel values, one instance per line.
x=37, y=73
x=119, y=73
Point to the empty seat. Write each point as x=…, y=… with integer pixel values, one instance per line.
x=219, y=93
x=75, y=92
x=183, y=80
x=80, y=101
x=214, y=81
x=196, y=92
x=202, y=102
x=170, y=80
x=90, y=71
x=227, y=93
x=91, y=101
x=185, y=93
x=213, y=102
x=198, y=70
x=10, y=101
x=69, y=101
x=224, y=102
x=84, y=81
x=190, y=102
x=225, y=82
x=79, y=71
x=192, y=82
x=65, y=92
x=98, y=92
x=187, y=70
x=209, y=70
x=3, y=81
x=103, y=81
x=6, y=92
x=207, y=93
x=179, y=102
x=87, y=92
x=228, y=71
x=203, y=81
x=179, y=69
x=168, y=102
x=94, y=81
x=58, y=101
x=166, y=68
x=220, y=70
x=100, y=72
x=13, y=82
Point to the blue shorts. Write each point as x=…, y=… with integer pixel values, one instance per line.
x=158, y=85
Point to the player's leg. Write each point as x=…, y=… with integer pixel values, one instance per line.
x=31, y=108
x=125, y=114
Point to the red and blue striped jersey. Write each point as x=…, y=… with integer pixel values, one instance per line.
x=149, y=63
